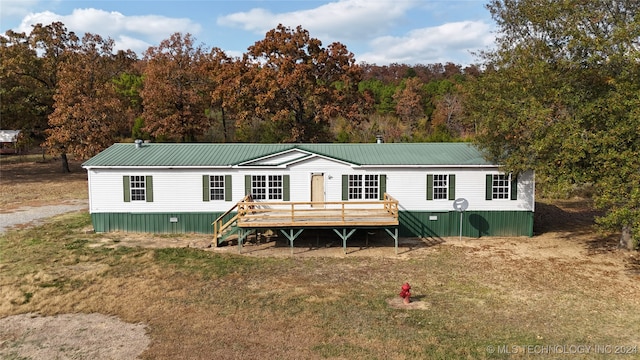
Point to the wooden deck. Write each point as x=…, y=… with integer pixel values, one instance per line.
x=343, y=217
x=338, y=214
x=261, y=214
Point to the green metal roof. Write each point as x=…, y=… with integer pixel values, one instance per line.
x=214, y=155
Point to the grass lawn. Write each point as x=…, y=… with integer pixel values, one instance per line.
x=563, y=290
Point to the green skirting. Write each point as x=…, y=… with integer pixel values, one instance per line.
x=412, y=223
x=474, y=223
x=168, y=223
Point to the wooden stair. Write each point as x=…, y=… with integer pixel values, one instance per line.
x=226, y=224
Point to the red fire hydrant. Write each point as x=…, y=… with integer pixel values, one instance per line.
x=405, y=293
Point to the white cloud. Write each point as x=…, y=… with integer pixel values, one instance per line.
x=342, y=20
x=129, y=32
x=10, y=8
x=124, y=42
x=451, y=42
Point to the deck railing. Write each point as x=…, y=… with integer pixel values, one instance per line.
x=307, y=213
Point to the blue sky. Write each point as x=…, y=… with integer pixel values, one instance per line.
x=376, y=31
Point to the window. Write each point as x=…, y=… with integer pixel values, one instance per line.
x=275, y=187
x=355, y=187
x=267, y=187
x=138, y=188
x=216, y=187
x=371, y=187
x=441, y=187
x=363, y=184
x=501, y=186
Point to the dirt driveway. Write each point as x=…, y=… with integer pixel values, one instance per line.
x=32, y=215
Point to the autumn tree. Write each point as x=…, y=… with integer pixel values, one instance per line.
x=175, y=96
x=561, y=96
x=29, y=67
x=446, y=103
x=89, y=115
x=222, y=76
x=298, y=86
x=410, y=102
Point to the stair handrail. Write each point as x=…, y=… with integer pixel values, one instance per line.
x=219, y=226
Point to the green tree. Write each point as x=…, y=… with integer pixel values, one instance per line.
x=561, y=94
x=29, y=66
x=18, y=107
x=381, y=93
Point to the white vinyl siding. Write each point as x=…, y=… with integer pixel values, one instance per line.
x=181, y=190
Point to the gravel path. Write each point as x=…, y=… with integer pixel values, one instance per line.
x=30, y=215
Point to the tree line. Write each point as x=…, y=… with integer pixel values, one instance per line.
x=79, y=96
x=559, y=94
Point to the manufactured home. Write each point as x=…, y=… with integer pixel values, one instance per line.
x=408, y=189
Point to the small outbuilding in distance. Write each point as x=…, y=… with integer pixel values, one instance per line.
x=408, y=189
x=8, y=140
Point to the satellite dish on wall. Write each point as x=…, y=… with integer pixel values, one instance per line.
x=460, y=204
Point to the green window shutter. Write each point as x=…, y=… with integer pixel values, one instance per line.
x=205, y=188
x=126, y=188
x=285, y=187
x=383, y=185
x=514, y=187
x=489, y=187
x=228, y=195
x=247, y=184
x=149, y=188
x=429, y=187
x=452, y=187
x=345, y=187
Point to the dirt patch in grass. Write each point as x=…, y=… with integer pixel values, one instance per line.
x=75, y=336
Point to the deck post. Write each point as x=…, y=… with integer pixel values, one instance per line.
x=344, y=236
x=291, y=236
x=394, y=235
x=242, y=234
